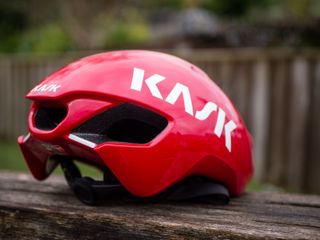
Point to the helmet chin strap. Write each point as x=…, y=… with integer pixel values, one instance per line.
x=88, y=190
x=91, y=192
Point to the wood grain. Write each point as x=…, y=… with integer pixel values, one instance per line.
x=260, y=117
x=278, y=125
x=299, y=109
x=313, y=165
x=47, y=210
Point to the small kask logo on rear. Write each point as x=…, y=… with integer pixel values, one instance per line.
x=46, y=88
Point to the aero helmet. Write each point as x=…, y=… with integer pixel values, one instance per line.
x=154, y=124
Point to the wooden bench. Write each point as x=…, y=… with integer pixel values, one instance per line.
x=47, y=210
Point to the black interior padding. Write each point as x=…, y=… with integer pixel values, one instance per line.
x=49, y=118
x=123, y=123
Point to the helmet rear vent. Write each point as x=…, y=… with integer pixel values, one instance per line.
x=132, y=130
x=124, y=123
x=48, y=118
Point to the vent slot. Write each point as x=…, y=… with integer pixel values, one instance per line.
x=124, y=123
x=48, y=118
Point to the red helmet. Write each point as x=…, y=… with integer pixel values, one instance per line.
x=148, y=120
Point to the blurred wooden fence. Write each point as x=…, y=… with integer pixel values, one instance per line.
x=277, y=92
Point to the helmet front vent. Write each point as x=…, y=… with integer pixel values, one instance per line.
x=48, y=118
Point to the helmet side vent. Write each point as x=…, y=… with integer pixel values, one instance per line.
x=48, y=118
x=125, y=123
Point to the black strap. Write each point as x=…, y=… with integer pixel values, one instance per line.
x=200, y=189
x=88, y=190
x=91, y=192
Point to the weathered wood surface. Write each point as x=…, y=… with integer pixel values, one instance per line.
x=47, y=210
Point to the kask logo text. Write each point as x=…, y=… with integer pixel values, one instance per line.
x=46, y=88
x=178, y=90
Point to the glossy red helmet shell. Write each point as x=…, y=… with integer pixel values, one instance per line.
x=203, y=134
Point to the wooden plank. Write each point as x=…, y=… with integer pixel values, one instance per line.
x=241, y=83
x=226, y=77
x=15, y=99
x=278, y=124
x=7, y=100
x=2, y=101
x=298, y=119
x=216, y=73
x=212, y=69
x=260, y=116
x=47, y=210
x=26, y=86
x=313, y=164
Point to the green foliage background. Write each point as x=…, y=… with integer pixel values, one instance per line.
x=39, y=27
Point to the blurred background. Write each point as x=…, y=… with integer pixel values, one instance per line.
x=264, y=54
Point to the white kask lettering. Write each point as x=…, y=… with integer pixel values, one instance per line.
x=182, y=90
x=46, y=88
